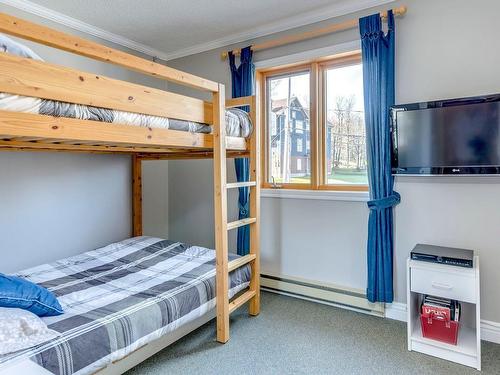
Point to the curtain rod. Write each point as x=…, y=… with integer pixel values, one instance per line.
x=346, y=25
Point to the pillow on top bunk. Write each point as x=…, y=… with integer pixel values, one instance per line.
x=23, y=294
x=14, y=48
x=20, y=329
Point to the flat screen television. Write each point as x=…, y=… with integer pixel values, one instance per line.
x=447, y=137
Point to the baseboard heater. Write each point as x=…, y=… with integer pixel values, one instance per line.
x=316, y=291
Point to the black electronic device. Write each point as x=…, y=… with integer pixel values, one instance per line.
x=447, y=137
x=444, y=255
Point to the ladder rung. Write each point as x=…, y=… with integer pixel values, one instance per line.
x=234, y=185
x=237, y=263
x=240, y=223
x=245, y=297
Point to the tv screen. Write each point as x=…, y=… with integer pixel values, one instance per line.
x=447, y=137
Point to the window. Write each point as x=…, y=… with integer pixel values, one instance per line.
x=299, y=127
x=320, y=104
x=299, y=145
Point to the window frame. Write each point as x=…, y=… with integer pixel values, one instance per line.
x=317, y=126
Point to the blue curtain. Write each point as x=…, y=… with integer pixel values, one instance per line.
x=242, y=79
x=378, y=84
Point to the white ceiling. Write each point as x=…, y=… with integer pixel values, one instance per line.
x=175, y=28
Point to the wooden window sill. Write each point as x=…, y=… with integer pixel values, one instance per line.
x=326, y=195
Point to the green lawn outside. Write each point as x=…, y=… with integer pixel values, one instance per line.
x=345, y=176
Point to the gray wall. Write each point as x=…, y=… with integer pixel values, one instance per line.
x=57, y=205
x=191, y=202
x=447, y=49
x=155, y=198
x=444, y=49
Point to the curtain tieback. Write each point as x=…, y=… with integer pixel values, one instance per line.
x=383, y=203
x=243, y=211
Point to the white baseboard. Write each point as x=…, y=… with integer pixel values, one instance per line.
x=321, y=292
x=490, y=331
x=310, y=299
x=396, y=311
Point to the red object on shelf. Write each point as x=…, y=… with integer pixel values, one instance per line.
x=436, y=327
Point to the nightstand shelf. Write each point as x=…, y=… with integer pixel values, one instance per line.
x=451, y=282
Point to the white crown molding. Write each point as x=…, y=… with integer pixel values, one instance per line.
x=73, y=23
x=490, y=331
x=317, y=15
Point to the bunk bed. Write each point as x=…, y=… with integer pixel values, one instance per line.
x=205, y=121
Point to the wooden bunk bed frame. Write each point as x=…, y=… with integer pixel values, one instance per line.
x=33, y=132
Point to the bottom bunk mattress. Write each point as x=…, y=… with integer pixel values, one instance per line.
x=118, y=298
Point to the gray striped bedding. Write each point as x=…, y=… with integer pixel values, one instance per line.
x=238, y=123
x=120, y=297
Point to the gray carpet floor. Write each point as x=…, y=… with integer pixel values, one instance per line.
x=292, y=336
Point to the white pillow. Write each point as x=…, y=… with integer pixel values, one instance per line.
x=21, y=329
x=14, y=48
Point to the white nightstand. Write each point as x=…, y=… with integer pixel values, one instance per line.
x=451, y=282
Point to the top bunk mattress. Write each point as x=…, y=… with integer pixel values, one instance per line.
x=118, y=298
x=238, y=123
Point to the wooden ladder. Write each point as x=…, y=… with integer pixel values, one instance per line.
x=223, y=266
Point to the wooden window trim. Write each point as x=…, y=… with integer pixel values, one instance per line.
x=317, y=69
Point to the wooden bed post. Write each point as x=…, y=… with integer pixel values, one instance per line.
x=220, y=205
x=136, y=195
x=254, y=308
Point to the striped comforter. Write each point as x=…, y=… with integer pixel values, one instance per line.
x=238, y=123
x=122, y=296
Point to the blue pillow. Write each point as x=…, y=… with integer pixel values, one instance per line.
x=23, y=294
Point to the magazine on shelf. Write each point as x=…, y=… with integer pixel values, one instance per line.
x=440, y=308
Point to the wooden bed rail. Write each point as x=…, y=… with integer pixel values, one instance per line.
x=57, y=39
x=39, y=79
x=240, y=102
